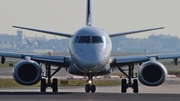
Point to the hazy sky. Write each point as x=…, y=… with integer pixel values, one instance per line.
x=111, y=15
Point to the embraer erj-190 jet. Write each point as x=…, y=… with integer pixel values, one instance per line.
x=90, y=55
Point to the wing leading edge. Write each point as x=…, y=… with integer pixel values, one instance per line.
x=45, y=31
x=126, y=60
x=133, y=32
x=54, y=60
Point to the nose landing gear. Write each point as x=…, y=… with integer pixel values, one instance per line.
x=90, y=86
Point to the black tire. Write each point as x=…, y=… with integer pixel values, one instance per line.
x=87, y=88
x=43, y=85
x=93, y=88
x=55, y=85
x=135, y=86
x=123, y=86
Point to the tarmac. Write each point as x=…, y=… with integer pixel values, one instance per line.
x=69, y=96
x=165, y=92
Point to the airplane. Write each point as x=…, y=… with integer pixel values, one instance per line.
x=90, y=50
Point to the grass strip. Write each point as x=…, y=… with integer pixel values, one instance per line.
x=11, y=83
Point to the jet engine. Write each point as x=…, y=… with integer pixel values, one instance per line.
x=27, y=72
x=152, y=73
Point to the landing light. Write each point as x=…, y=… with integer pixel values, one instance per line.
x=89, y=81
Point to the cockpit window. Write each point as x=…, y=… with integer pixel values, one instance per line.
x=97, y=39
x=90, y=39
x=84, y=39
x=75, y=39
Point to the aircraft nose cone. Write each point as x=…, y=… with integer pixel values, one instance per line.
x=89, y=62
x=89, y=56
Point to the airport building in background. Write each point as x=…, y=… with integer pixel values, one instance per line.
x=152, y=44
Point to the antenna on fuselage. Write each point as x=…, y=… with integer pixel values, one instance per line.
x=89, y=14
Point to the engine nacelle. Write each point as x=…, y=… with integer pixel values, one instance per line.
x=152, y=73
x=27, y=72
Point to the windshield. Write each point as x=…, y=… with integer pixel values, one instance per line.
x=90, y=39
x=75, y=39
x=97, y=39
x=84, y=39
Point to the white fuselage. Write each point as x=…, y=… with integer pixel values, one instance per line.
x=90, y=49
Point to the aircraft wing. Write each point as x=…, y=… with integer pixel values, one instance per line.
x=126, y=60
x=54, y=60
x=44, y=31
x=133, y=32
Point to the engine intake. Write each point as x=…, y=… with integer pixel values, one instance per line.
x=27, y=72
x=152, y=73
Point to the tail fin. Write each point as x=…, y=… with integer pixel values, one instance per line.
x=89, y=14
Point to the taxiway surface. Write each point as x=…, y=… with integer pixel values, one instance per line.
x=166, y=92
x=69, y=96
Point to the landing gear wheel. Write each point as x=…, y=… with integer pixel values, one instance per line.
x=43, y=85
x=87, y=88
x=135, y=86
x=93, y=88
x=123, y=86
x=55, y=85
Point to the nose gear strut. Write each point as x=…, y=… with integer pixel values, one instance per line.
x=90, y=86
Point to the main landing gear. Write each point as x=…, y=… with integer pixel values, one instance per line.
x=90, y=87
x=125, y=85
x=54, y=83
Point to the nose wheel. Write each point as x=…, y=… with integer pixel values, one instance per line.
x=90, y=87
